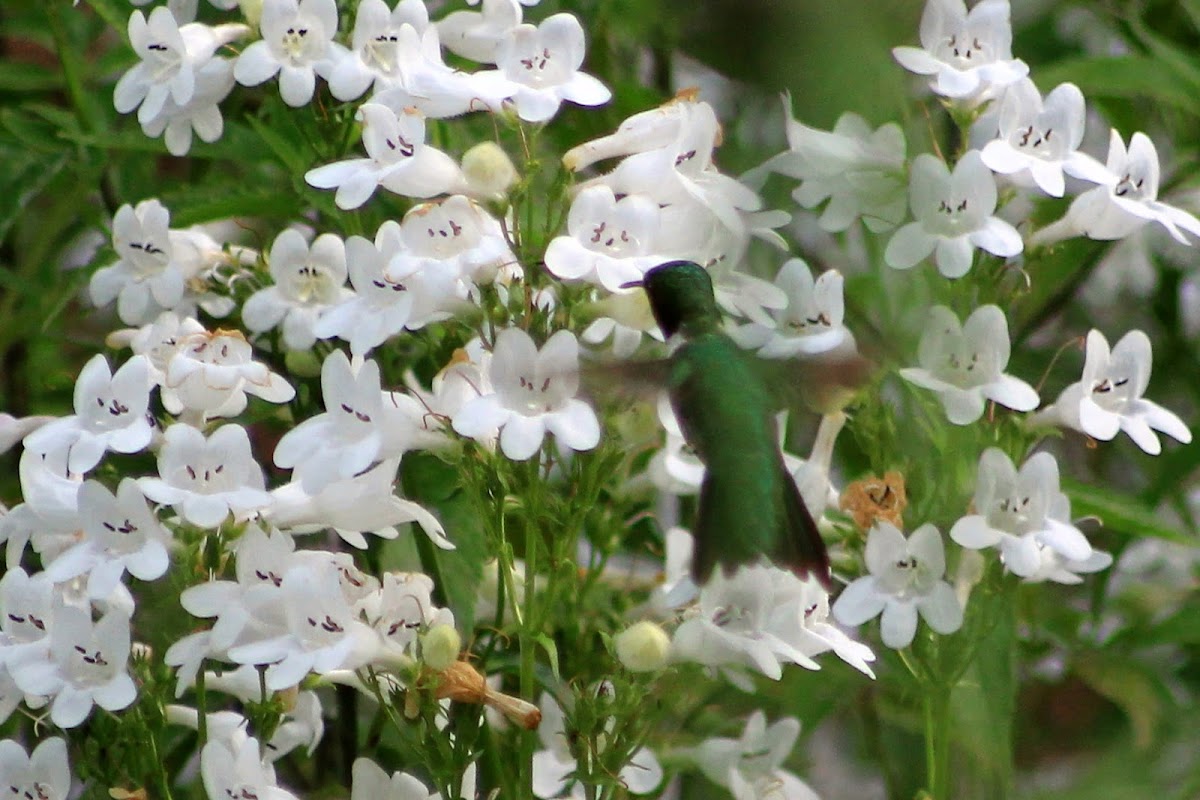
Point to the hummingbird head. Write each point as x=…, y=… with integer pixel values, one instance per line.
x=681, y=297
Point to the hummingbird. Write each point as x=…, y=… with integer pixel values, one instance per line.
x=749, y=505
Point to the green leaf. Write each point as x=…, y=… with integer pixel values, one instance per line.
x=1130, y=76
x=1131, y=685
x=1120, y=512
x=16, y=76
x=548, y=645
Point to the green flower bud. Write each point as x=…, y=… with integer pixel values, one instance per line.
x=440, y=647
x=643, y=647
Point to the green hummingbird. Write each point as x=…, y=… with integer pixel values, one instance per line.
x=749, y=505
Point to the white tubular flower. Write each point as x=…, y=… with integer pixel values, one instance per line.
x=814, y=635
x=1022, y=513
x=610, y=242
x=455, y=236
x=308, y=279
x=261, y=561
x=543, y=62
x=964, y=363
x=906, y=577
x=812, y=322
x=1127, y=201
x=626, y=317
x=645, y=131
x=477, y=35
x=751, y=767
x=111, y=413
x=859, y=171
x=322, y=634
x=206, y=479
x=375, y=56
x=297, y=45
x=28, y=606
x=14, y=429
x=534, y=394
x=970, y=54
x=742, y=621
x=812, y=475
x=171, y=58
x=955, y=213
x=344, y=440
x=145, y=280
x=1108, y=398
x=160, y=340
x=45, y=774
x=397, y=159
x=390, y=294
x=87, y=666
x=1055, y=568
x=403, y=608
x=235, y=769
x=370, y=782
x=1041, y=140
x=201, y=114
x=120, y=534
x=211, y=373
x=554, y=764
x=675, y=469
x=51, y=491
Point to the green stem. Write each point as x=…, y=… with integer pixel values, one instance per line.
x=937, y=741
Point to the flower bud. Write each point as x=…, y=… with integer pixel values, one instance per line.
x=302, y=363
x=489, y=171
x=251, y=10
x=643, y=647
x=440, y=646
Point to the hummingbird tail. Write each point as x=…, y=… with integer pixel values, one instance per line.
x=802, y=549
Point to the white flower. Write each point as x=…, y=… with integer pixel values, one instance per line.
x=955, y=213
x=361, y=425
x=534, y=393
x=751, y=767
x=1041, y=139
x=906, y=577
x=859, y=171
x=397, y=159
x=171, y=56
x=610, y=242
x=390, y=293
x=45, y=774
x=1056, y=568
x=235, y=769
x=322, y=630
x=554, y=764
x=202, y=114
x=376, y=46
x=454, y=236
x=206, y=478
x=812, y=322
x=543, y=62
x=297, y=44
x=964, y=363
x=87, y=666
x=812, y=475
x=14, y=429
x=120, y=534
x=969, y=53
x=308, y=279
x=145, y=280
x=160, y=340
x=212, y=373
x=742, y=620
x=28, y=606
x=370, y=782
x=110, y=414
x=477, y=35
x=1109, y=399
x=626, y=317
x=1021, y=512
x=1127, y=201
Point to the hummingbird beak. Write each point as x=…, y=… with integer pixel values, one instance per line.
x=631, y=285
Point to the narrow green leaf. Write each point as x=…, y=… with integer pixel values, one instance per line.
x=551, y=649
x=1127, y=76
x=1131, y=685
x=1120, y=513
x=21, y=77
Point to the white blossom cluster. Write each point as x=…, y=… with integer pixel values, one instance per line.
x=289, y=614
